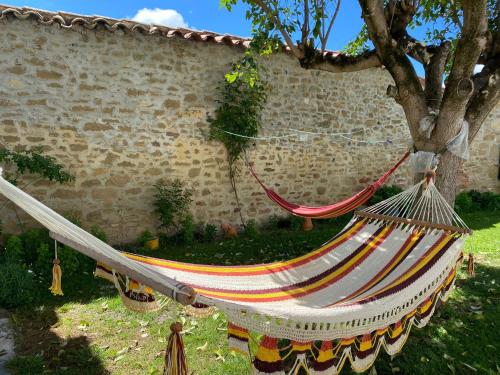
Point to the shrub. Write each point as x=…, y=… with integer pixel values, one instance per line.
x=473, y=200
x=384, y=193
x=209, y=233
x=71, y=260
x=188, y=229
x=463, y=202
x=272, y=222
x=296, y=222
x=72, y=263
x=32, y=240
x=17, y=286
x=13, y=252
x=145, y=237
x=43, y=264
x=171, y=200
x=251, y=229
x=485, y=200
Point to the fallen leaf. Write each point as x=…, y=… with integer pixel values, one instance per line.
x=203, y=347
x=123, y=351
x=219, y=356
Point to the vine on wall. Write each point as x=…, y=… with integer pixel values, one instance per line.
x=243, y=94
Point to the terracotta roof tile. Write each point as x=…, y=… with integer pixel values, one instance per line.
x=69, y=20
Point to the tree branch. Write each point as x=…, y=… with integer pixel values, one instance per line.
x=487, y=96
x=275, y=17
x=326, y=36
x=434, y=71
x=459, y=85
x=409, y=89
x=305, y=25
x=454, y=14
x=339, y=63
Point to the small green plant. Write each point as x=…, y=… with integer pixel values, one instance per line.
x=251, y=229
x=17, y=286
x=209, y=233
x=172, y=201
x=145, y=237
x=188, y=229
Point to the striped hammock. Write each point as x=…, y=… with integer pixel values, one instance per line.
x=361, y=291
x=332, y=210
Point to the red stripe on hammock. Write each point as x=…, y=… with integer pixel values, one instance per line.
x=206, y=291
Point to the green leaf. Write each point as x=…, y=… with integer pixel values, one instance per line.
x=231, y=77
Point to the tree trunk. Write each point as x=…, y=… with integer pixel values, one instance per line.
x=447, y=176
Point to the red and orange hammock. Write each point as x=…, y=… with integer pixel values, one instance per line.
x=332, y=210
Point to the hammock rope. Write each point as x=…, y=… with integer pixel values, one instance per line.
x=332, y=210
x=362, y=291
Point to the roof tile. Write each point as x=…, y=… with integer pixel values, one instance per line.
x=70, y=20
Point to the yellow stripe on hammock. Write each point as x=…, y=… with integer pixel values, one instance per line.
x=244, y=295
x=243, y=269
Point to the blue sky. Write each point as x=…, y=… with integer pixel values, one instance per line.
x=198, y=14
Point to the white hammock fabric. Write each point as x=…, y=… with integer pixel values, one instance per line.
x=389, y=266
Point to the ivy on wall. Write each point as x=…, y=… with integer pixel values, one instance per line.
x=242, y=95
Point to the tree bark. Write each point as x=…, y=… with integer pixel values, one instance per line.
x=447, y=176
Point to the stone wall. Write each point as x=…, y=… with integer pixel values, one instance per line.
x=123, y=110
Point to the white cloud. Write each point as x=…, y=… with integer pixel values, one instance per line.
x=157, y=16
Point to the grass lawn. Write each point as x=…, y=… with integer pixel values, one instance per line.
x=89, y=331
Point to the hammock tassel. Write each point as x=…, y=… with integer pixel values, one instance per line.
x=471, y=266
x=175, y=357
x=56, y=287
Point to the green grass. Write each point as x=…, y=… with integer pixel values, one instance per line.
x=89, y=328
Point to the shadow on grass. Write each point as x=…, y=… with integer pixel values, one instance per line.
x=40, y=350
x=462, y=336
x=479, y=220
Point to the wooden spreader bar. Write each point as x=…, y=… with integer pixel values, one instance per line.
x=418, y=223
